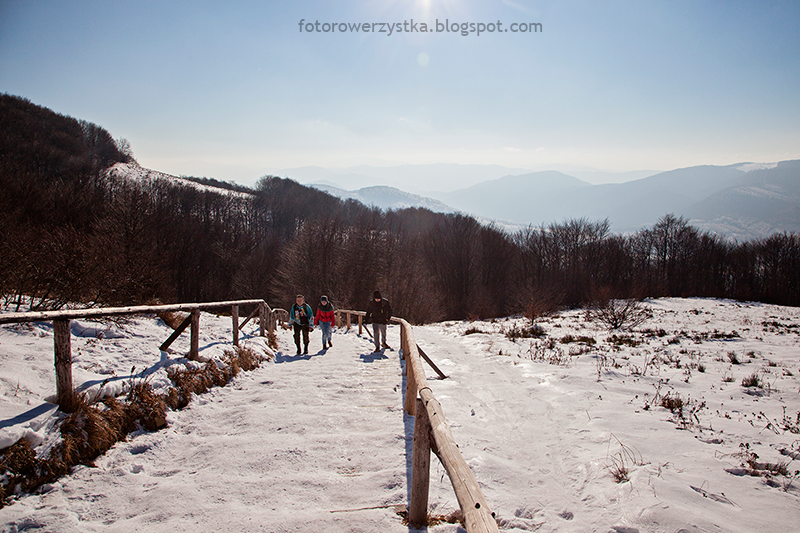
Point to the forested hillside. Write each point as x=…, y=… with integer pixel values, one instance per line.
x=74, y=231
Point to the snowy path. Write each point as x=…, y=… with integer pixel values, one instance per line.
x=277, y=450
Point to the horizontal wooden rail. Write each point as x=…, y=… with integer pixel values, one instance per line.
x=97, y=312
x=61, y=331
x=432, y=434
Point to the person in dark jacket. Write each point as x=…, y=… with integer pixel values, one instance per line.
x=300, y=318
x=325, y=319
x=379, y=311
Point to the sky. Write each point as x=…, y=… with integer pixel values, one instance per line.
x=235, y=90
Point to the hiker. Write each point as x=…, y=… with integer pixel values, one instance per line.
x=300, y=318
x=325, y=320
x=379, y=311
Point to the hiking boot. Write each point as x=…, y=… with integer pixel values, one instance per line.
x=305, y=351
x=298, y=351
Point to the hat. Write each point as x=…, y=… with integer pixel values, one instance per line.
x=323, y=299
x=377, y=295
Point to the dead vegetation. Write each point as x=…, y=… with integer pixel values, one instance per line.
x=614, y=314
x=93, y=428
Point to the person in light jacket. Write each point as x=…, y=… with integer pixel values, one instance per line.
x=379, y=311
x=325, y=319
x=300, y=318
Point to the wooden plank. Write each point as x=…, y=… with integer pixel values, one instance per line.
x=478, y=517
x=432, y=365
x=194, y=345
x=47, y=316
x=176, y=333
x=235, y=320
x=249, y=318
x=63, y=363
x=420, y=468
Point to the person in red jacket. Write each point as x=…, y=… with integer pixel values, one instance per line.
x=325, y=320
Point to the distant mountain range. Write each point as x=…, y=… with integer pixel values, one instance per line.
x=742, y=201
x=386, y=197
x=424, y=179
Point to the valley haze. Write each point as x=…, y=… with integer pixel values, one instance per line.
x=744, y=201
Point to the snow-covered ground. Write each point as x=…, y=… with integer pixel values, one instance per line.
x=320, y=442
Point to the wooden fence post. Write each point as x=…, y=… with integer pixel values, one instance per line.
x=262, y=317
x=420, y=468
x=403, y=342
x=235, y=319
x=411, y=388
x=360, y=326
x=348, y=321
x=63, y=363
x=194, y=347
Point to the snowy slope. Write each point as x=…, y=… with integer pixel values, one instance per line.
x=320, y=442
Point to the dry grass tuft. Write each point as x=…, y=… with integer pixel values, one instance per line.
x=17, y=464
x=272, y=340
x=620, y=464
x=453, y=517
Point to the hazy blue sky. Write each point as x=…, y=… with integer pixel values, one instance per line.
x=234, y=89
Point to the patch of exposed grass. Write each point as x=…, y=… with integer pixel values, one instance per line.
x=523, y=332
x=624, y=340
x=753, y=380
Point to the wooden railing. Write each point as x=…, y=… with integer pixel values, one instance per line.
x=61, y=330
x=432, y=434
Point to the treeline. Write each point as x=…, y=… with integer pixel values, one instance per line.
x=74, y=232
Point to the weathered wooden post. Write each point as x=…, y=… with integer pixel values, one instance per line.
x=411, y=387
x=235, y=320
x=360, y=322
x=63, y=363
x=272, y=323
x=262, y=317
x=194, y=346
x=348, y=321
x=420, y=468
x=403, y=342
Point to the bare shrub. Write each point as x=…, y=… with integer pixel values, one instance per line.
x=543, y=303
x=619, y=314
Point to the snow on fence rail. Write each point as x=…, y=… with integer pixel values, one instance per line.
x=432, y=434
x=61, y=331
